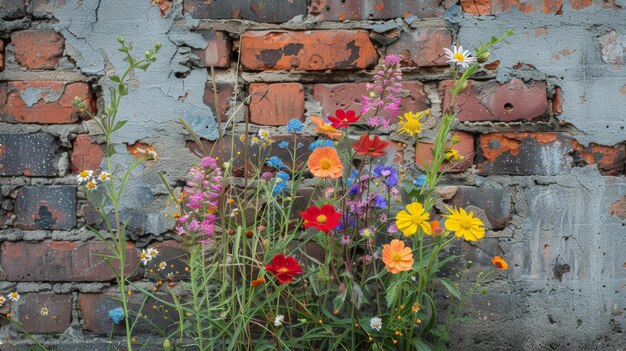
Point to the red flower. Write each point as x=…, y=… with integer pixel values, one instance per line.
x=284, y=268
x=374, y=147
x=324, y=218
x=343, y=119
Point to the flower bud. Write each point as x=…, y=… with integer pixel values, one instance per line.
x=167, y=346
x=120, y=40
x=483, y=57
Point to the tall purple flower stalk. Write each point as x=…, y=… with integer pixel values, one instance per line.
x=202, y=197
x=384, y=93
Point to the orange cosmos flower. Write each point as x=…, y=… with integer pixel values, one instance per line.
x=324, y=162
x=397, y=257
x=326, y=128
x=257, y=282
x=500, y=263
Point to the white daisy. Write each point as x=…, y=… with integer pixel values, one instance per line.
x=145, y=257
x=2, y=300
x=458, y=57
x=153, y=252
x=104, y=176
x=14, y=296
x=376, y=323
x=278, y=321
x=84, y=176
x=91, y=185
x=162, y=265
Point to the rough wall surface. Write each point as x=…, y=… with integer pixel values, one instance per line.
x=543, y=136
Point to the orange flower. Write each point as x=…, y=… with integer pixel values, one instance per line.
x=500, y=263
x=397, y=257
x=257, y=282
x=324, y=162
x=435, y=228
x=326, y=128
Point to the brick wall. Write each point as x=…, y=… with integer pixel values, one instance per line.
x=542, y=136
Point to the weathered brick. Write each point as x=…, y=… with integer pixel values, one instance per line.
x=217, y=51
x=86, y=154
x=309, y=50
x=1, y=55
x=492, y=101
x=224, y=92
x=524, y=153
x=582, y=4
x=422, y=47
x=38, y=49
x=29, y=155
x=44, y=312
x=618, y=208
x=275, y=104
x=495, y=7
x=260, y=11
x=609, y=160
x=481, y=252
x=12, y=9
x=60, y=261
x=495, y=202
x=46, y=207
x=465, y=147
x=94, y=312
x=44, y=8
x=174, y=254
x=42, y=101
x=557, y=101
x=341, y=10
x=348, y=96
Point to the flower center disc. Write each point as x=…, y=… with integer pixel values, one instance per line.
x=325, y=164
x=459, y=57
x=465, y=224
x=321, y=219
x=397, y=257
x=283, y=270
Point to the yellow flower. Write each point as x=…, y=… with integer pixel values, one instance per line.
x=44, y=311
x=415, y=216
x=464, y=224
x=453, y=155
x=2, y=300
x=410, y=123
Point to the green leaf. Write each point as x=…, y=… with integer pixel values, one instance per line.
x=339, y=301
x=115, y=78
x=122, y=89
x=119, y=125
x=421, y=345
x=451, y=286
x=109, y=151
x=357, y=296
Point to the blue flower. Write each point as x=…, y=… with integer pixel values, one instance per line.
x=388, y=173
x=281, y=183
x=380, y=201
x=420, y=181
x=283, y=144
x=351, y=223
x=300, y=145
x=295, y=126
x=116, y=315
x=276, y=162
x=321, y=143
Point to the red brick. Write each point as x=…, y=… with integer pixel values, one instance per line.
x=43, y=101
x=94, y=312
x=1, y=55
x=38, y=49
x=609, y=160
x=224, y=93
x=557, y=101
x=46, y=207
x=495, y=7
x=582, y=4
x=307, y=50
x=348, y=96
x=492, y=101
x=30, y=314
x=618, y=208
x=422, y=47
x=254, y=10
x=341, y=10
x=217, y=51
x=275, y=104
x=465, y=147
x=86, y=154
x=60, y=261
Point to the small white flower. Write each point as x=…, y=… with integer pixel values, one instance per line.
x=162, y=265
x=376, y=323
x=153, y=252
x=84, y=176
x=104, y=176
x=2, y=300
x=14, y=296
x=458, y=57
x=263, y=134
x=91, y=185
x=414, y=278
x=278, y=321
x=145, y=257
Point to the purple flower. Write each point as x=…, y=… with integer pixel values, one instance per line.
x=388, y=173
x=379, y=201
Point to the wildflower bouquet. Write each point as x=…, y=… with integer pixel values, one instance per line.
x=356, y=265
